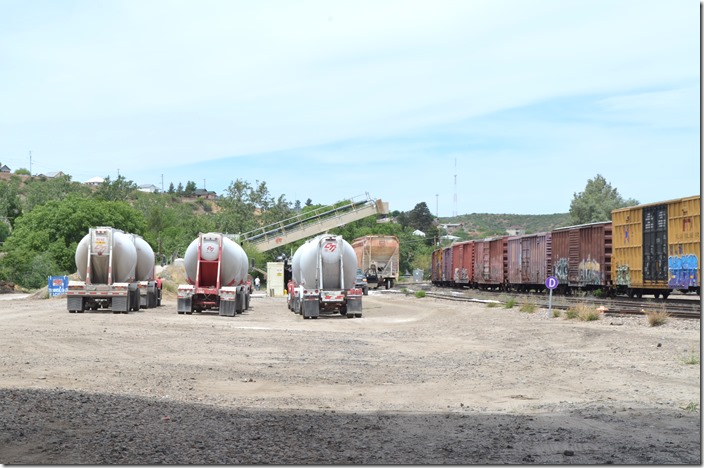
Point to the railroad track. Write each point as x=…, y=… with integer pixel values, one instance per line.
x=675, y=307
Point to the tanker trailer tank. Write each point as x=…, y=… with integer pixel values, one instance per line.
x=216, y=272
x=106, y=261
x=149, y=286
x=324, y=272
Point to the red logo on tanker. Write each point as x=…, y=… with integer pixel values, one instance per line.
x=210, y=248
x=330, y=246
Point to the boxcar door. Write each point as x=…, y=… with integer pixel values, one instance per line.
x=655, y=244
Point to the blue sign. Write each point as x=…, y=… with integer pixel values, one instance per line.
x=58, y=285
x=551, y=282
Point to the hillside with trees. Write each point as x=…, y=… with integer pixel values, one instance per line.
x=43, y=219
x=482, y=225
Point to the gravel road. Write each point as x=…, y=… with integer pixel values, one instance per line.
x=415, y=381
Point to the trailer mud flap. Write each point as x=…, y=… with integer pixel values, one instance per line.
x=354, y=306
x=311, y=308
x=183, y=304
x=75, y=304
x=227, y=308
x=121, y=303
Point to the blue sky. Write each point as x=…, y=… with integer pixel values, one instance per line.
x=509, y=105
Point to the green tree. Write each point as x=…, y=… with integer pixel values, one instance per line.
x=10, y=205
x=596, y=202
x=23, y=171
x=43, y=241
x=422, y=219
x=190, y=189
x=171, y=188
x=120, y=189
x=38, y=192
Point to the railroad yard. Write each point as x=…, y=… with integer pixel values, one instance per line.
x=414, y=381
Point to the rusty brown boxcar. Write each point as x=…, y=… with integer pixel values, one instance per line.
x=447, y=272
x=657, y=247
x=490, y=263
x=436, y=267
x=463, y=263
x=581, y=256
x=529, y=261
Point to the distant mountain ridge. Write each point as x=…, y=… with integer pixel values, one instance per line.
x=481, y=225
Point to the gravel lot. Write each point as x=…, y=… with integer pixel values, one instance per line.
x=415, y=381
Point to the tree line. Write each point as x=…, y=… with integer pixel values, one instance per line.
x=44, y=219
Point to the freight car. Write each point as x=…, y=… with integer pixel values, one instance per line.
x=463, y=263
x=581, y=257
x=378, y=257
x=529, y=261
x=647, y=249
x=490, y=263
x=657, y=247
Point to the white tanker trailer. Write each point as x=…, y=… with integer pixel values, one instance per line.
x=114, y=268
x=216, y=272
x=324, y=272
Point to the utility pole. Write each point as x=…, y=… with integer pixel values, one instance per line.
x=162, y=183
x=30, y=163
x=436, y=206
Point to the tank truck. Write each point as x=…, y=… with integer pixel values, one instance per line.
x=216, y=272
x=323, y=278
x=148, y=284
x=114, y=267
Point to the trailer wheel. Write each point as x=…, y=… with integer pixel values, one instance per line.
x=350, y=315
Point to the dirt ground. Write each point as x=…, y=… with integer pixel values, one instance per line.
x=415, y=380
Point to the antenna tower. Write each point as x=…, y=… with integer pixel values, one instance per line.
x=454, y=199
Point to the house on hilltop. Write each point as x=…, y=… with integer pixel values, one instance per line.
x=95, y=181
x=4, y=168
x=148, y=188
x=202, y=193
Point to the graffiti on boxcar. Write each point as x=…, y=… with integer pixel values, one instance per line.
x=562, y=269
x=683, y=271
x=589, y=272
x=461, y=275
x=623, y=275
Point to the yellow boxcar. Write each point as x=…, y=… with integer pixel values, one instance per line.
x=657, y=247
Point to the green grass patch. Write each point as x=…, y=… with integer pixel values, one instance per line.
x=510, y=304
x=583, y=312
x=692, y=358
x=420, y=294
x=692, y=407
x=528, y=307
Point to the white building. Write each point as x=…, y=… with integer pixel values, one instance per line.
x=95, y=181
x=149, y=188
